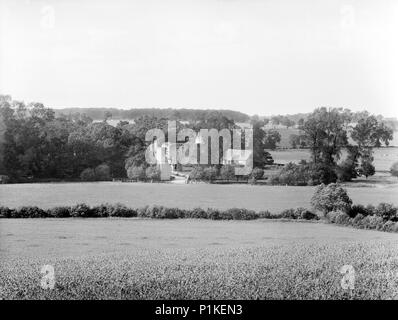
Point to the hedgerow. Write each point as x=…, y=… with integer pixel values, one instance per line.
x=382, y=217
x=82, y=210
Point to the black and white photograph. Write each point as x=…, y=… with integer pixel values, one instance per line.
x=180, y=151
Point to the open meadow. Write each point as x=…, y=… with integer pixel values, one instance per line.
x=194, y=259
x=184, y=196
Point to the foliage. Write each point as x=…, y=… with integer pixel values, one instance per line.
x=102, y=172
x=81, y=211
x=297, y=141
x=197, y=213
x=152, y=173
x=358, y=209
x=305, y=174
x=346, y=171
x=88, y=175
x=136, y=173
x=367, y=168
x=196, y=173
x=227, y=172
x=59, y=212
x=331, y=197
x=4, y=179
x=272, y=138
x=257, y=173
x=394, y=169
x=386, y=211
x=210, y=173
x=383, y=217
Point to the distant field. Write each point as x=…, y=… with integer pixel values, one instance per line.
x=273, y=198
x=193, y=259
x=383, y=157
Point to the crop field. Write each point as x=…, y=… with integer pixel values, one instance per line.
x=192, y=259
x=184, y=196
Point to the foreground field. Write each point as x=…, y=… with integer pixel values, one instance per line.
x=191, y=259
x=273, y=198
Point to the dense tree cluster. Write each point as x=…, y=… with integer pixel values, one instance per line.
x=330, y=131
x=38, y=145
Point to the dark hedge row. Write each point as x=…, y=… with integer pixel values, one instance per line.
x=157, y=212
x=383, y=217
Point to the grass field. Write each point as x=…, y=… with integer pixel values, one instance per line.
x=273, y=198
x=192, y=259
x=383, y=157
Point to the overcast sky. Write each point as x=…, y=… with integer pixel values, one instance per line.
x=258, y=57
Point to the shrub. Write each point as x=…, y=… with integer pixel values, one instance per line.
x=226, y=214
x=394, y=169
x=152, y=173
x=367, y=168
x=243, y=214
x=120, y=210
x=143, y=212
x=370, y=210
x=388, y=226
x=304, y=173
x=257, y=173
x=102, y=172
x=198, y=213
x=30, y=212
x=81, y=211
x=289, y=214
x=358, y=220
x=5, y=212
x=342, y=218
x=331, y=216
x=331, y=198
x=346, y=171
x=358, y=209
x=373, y=222
x=210, y=173
x=265, y=214
x=196, y=173
x=4, y=179
x=136, y=173
x=387, y=211
x=87, y=175
x=213, y=214
x=227, y=172
x=170, y=213
x=101, y=210
x=59, y=212
x=152, y=211
x=305, y=214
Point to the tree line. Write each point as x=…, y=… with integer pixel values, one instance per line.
x=37, y=144
x=183, y=114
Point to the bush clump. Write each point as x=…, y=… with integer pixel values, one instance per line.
x=265, y=214
x=81, y=210
x=30, y=212
x=331, y=197
x=197, y=213
x=58, y=212
x=386, y=211
x=120, y=210
x=213, y=214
